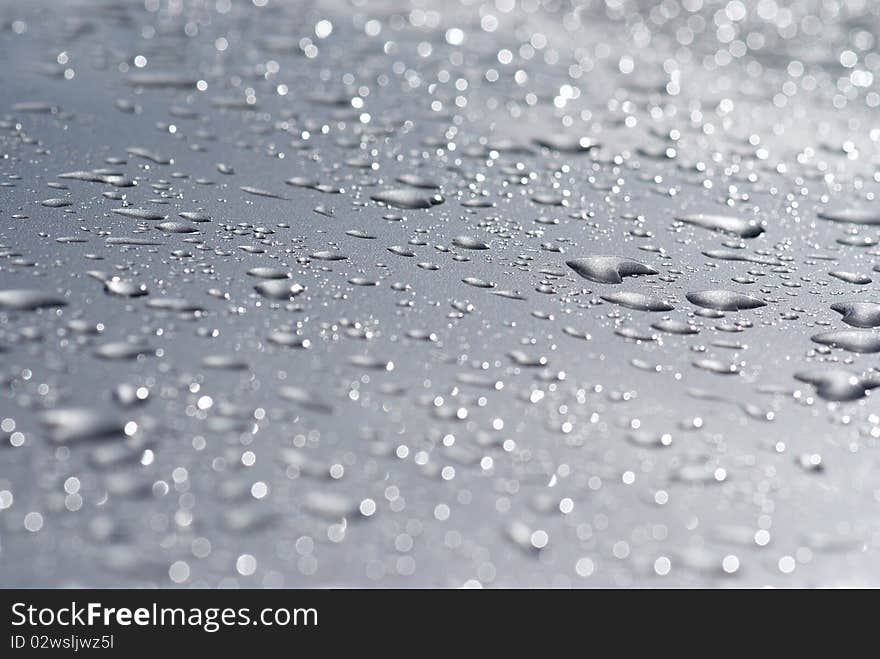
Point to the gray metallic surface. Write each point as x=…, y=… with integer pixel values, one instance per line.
x=437, y=398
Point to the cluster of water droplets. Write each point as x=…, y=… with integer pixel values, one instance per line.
x=460, y=296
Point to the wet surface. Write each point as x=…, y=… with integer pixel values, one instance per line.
x=503, y=294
